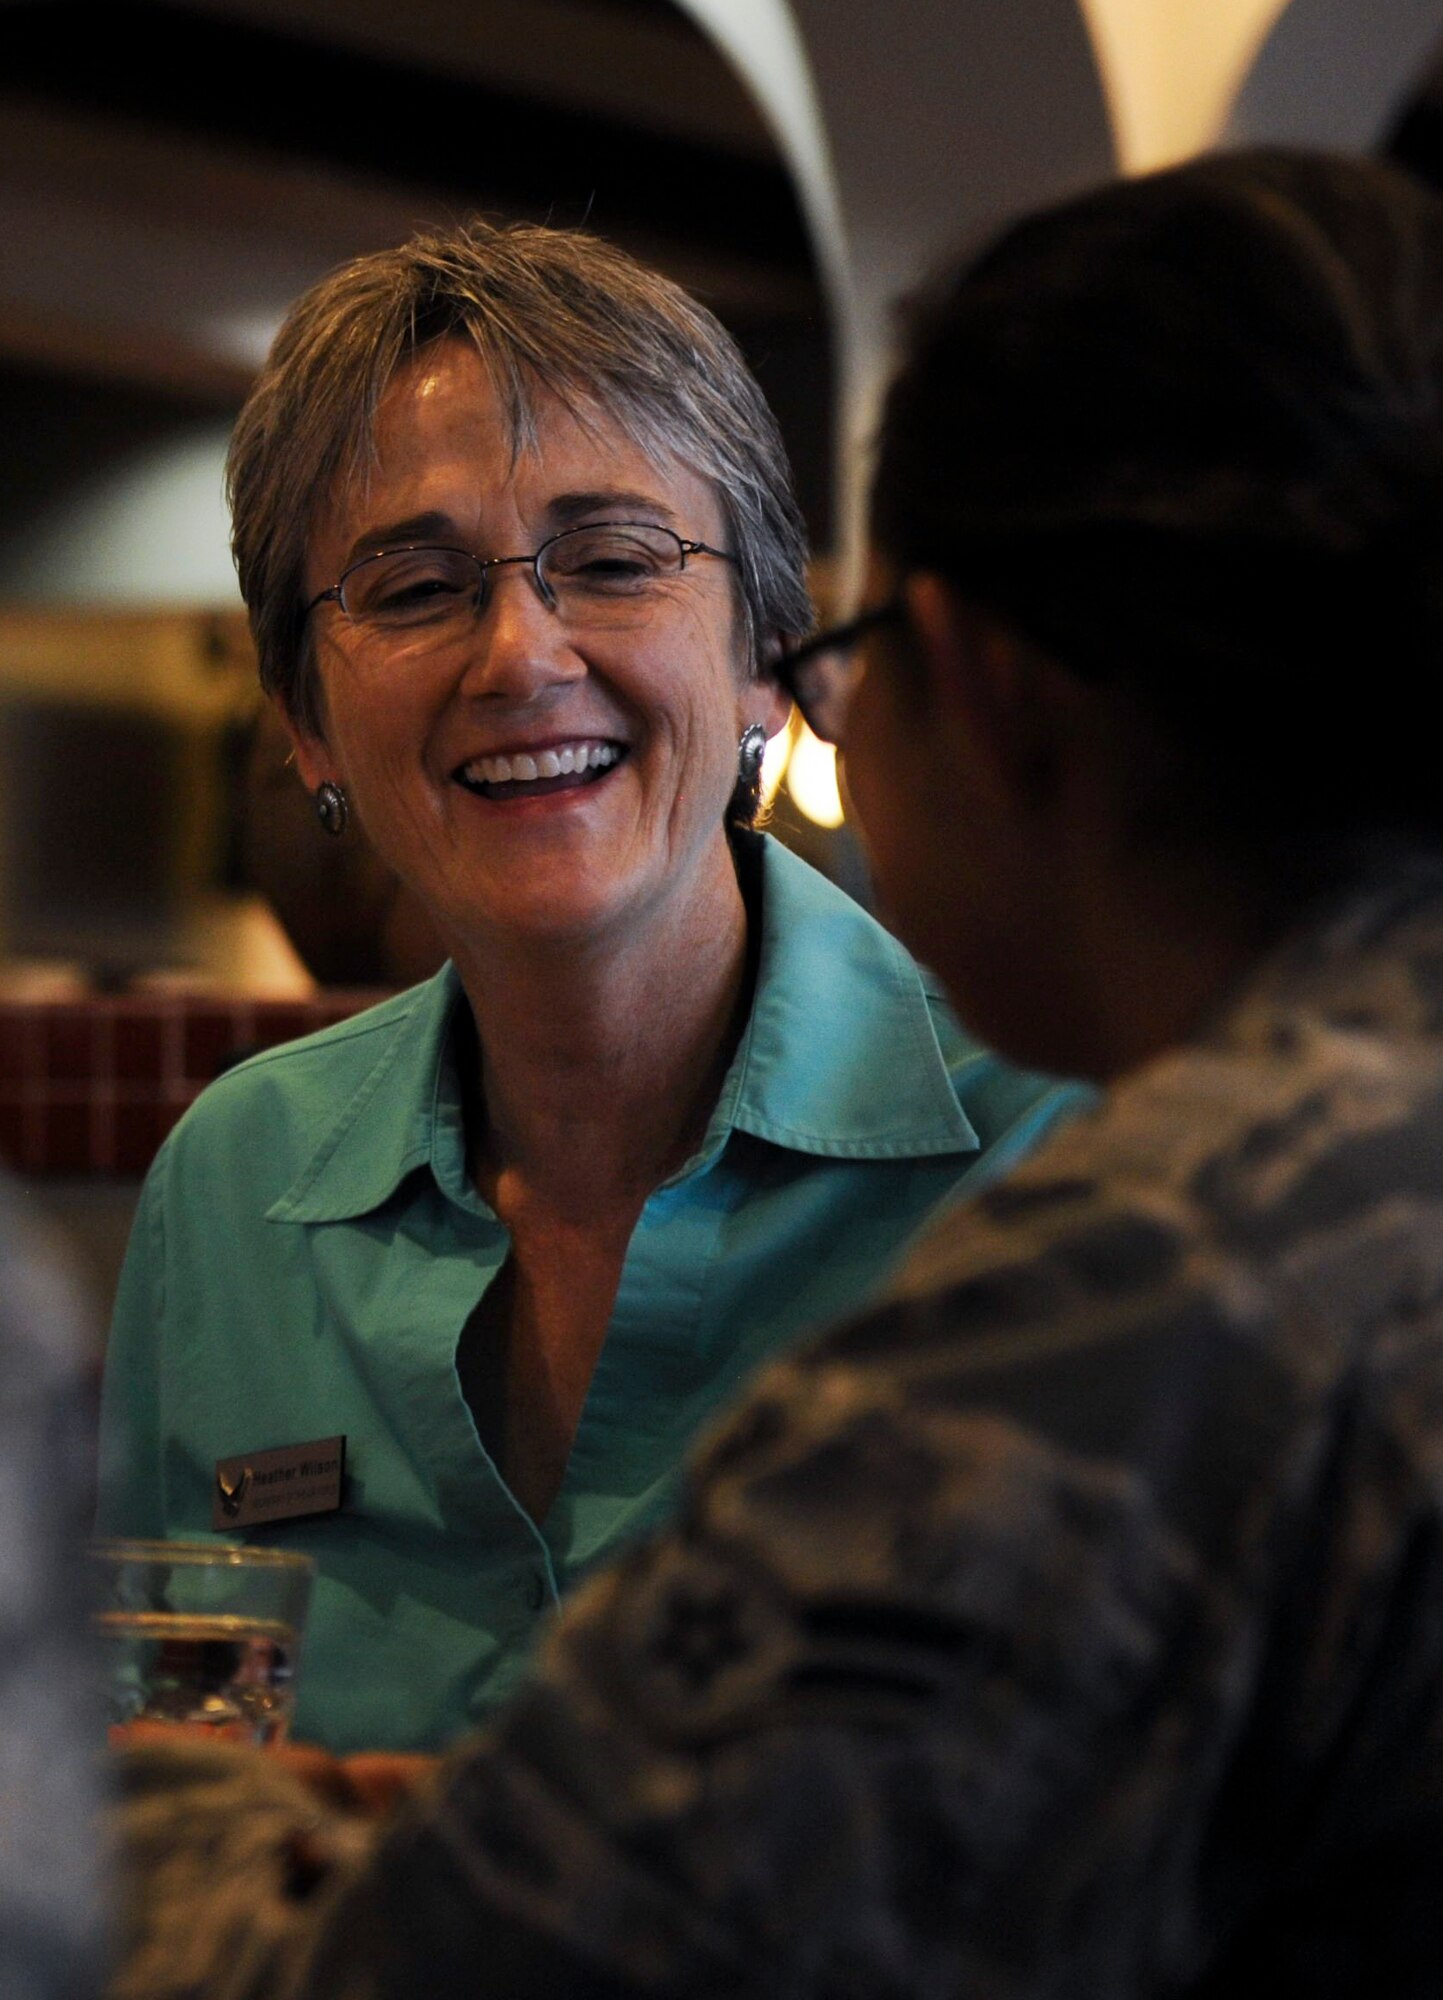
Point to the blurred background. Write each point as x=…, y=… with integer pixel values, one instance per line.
x=170, y=177
x=173, y=172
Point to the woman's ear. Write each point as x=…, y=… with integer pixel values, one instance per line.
x=764, y=700
x=309, y=752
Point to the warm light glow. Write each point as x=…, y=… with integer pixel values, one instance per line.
x=1171, y=70
x=774, y=765
x=812, y=779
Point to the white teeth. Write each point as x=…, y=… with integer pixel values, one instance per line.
x=522, y=768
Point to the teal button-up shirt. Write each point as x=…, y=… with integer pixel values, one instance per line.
x=309, y=1248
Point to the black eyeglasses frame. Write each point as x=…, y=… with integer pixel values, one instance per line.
x=844, y=638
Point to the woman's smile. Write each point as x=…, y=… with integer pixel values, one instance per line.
x=540, y=771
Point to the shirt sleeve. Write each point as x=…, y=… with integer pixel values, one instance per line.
x=131, y=1499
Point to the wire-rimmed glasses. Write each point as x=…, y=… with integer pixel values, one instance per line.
x=602, y=572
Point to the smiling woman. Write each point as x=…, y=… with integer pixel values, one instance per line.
x=606, y=640
x=517, y=539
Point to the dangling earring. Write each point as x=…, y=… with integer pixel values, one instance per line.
x=332, y=808
x=747, y=798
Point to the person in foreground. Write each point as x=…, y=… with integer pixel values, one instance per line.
x=1069, y=1623
x=516, y=534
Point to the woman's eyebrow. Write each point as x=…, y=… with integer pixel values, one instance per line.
x=619, y=502
x=567, y=508
x=428, y=527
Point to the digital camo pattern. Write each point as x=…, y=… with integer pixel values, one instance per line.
x=1072, y=1625
x=221, y=1850
x=50, y=1720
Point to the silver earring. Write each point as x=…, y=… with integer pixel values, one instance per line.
x=747, y=798
x=332, y=808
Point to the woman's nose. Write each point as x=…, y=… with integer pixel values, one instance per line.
x=517, y=646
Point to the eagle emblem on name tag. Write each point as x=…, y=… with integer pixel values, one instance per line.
x=232, y=1489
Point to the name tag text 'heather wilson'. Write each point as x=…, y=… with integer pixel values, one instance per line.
x=286, y=1484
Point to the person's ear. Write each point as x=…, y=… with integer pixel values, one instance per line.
x=1011, y=706
x=309, y=751
x=764, y=700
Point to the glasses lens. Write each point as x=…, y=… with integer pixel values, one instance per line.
x=612, y=562
x=411, y=587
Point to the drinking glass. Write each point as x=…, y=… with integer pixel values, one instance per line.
x=199, y=1636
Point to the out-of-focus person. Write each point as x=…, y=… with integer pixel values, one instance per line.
x=516, y=534
x=50, y=1711
x=1069, y=1626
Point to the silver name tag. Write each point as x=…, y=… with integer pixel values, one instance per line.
x=286, y=1484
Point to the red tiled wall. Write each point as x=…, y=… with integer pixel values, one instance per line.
x=92, y=1087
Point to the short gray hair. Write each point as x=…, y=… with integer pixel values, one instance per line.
x=553, y=311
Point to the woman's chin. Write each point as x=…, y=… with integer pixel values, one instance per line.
x=529, y=876
x=569, y=907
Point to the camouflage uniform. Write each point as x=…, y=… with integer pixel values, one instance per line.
x=50, y=1715
x=1071, y=1625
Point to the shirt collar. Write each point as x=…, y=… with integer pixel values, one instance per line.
x=405, y=1113
x=839, y=1058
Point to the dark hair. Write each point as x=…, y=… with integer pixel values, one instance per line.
x=1186, y=433
x=550, y=311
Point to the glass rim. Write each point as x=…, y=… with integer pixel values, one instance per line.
x=210, y=1555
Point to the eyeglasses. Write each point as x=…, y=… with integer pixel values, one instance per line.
x=601, y=574
x=822, y=674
